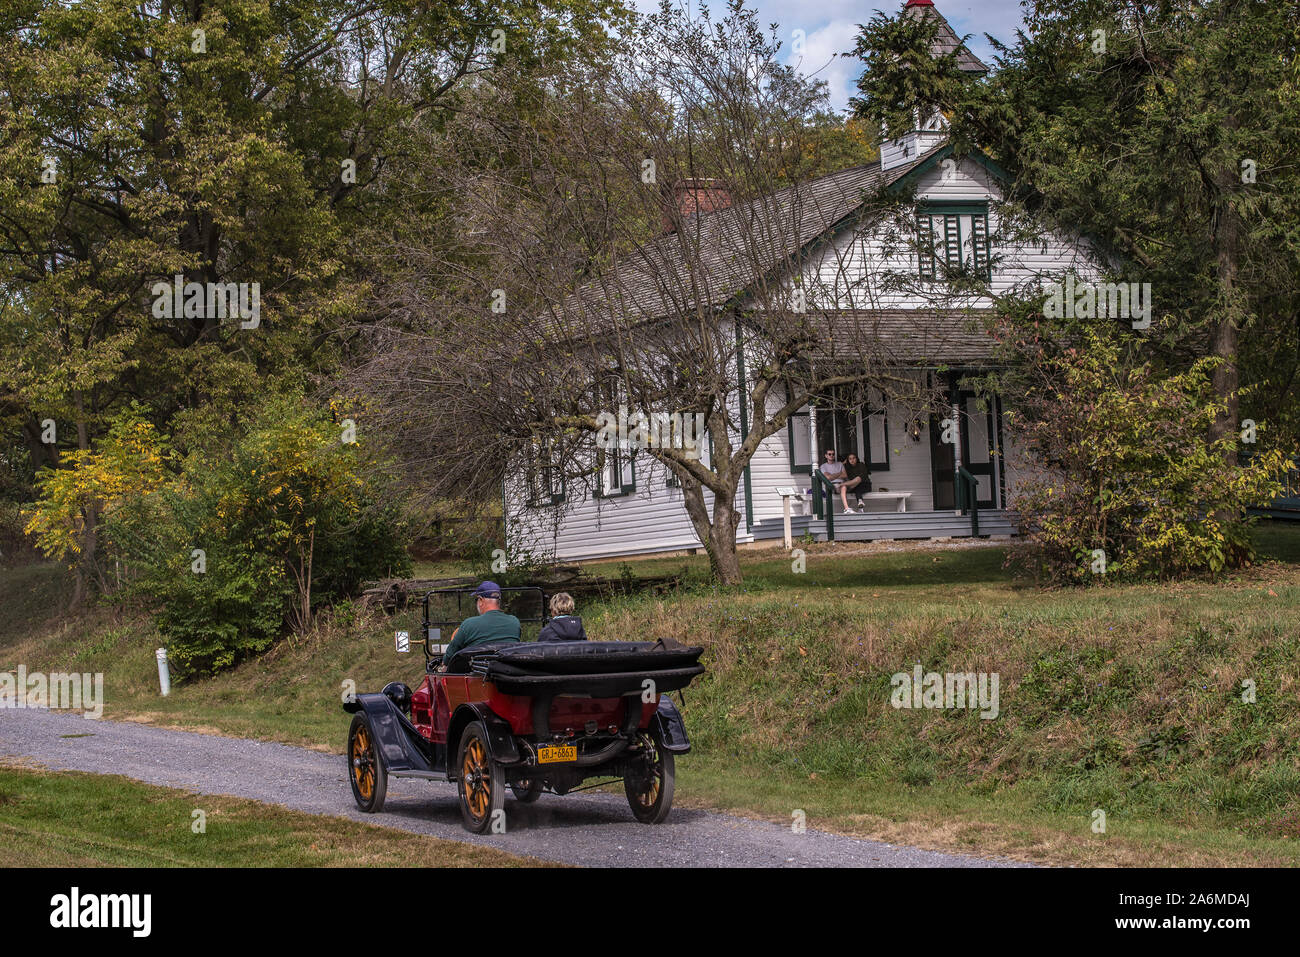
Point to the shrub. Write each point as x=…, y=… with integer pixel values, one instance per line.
x=1135, y=487
x=288, y=523
x=232, y=547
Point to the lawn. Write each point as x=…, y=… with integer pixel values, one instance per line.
x=69, y=819
x=1122, y=699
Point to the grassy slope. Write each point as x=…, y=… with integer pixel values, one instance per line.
x=1124, y=698
x=67, y=819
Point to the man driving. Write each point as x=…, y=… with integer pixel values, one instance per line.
x=490, y=624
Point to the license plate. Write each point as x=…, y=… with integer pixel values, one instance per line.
x=555, y=753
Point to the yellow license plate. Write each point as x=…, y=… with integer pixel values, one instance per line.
x=550, y=755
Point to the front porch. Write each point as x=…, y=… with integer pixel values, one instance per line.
x=873, y=526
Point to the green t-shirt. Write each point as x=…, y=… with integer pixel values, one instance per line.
x=494, y=625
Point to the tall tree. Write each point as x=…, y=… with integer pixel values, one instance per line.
x=221, y=141
x=1165, y=132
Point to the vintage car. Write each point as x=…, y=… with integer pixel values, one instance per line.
x=531, y=716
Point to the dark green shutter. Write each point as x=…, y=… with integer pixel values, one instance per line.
x=952, y=241
x=925, y=246
x=980, y=242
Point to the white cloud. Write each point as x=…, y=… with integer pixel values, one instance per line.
x=825, y=57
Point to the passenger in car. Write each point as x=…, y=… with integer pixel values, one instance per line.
x=564, y=624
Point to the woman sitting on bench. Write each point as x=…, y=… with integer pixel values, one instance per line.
x=858, y=478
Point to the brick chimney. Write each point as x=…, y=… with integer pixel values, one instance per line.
x=691, y=197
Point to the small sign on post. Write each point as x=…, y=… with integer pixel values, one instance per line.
x=403, y=642
x=787, y=494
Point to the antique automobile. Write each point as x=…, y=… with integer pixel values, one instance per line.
x=529, y=716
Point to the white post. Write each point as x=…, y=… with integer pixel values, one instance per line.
x=814, y=454
x=164, y=676
x=785, y=505
x=956, y=453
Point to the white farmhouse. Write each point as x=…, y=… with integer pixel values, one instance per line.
x=887, y=275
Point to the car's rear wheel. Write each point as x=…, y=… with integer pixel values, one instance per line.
x=526, y=792
x=366, y=769
x=650, y=782
x=481, y=783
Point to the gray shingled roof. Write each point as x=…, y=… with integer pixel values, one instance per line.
x=736, y=246
x=947, y=41
x=954, y=336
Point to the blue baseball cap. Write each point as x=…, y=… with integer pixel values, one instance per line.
x=488, y=590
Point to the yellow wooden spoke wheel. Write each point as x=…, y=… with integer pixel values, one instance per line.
x=366, y=771
x=481, y=782
x=650, y=780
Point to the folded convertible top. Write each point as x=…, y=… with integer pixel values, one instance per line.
x=594, y=657
x=597, y=668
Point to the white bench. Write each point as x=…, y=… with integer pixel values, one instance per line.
x=899, y=497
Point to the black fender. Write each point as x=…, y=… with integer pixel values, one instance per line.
x=501, y=737
x=667, y=721
x=401, y=746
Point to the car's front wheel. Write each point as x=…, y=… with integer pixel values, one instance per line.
x=366, y=769
x=649, y=783
x=481, y=783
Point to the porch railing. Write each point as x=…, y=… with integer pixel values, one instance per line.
x=968, y=497
x=819, y=481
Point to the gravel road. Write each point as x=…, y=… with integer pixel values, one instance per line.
x=591, y=829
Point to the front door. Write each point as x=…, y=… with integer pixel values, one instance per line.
x=981, y=445
x=943, y=464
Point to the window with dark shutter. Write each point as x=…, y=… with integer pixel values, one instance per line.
x=952, y=241
x=958, y=235
x=980, y=245
x=617, y=472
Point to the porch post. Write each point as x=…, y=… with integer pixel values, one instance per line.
x=957, y=486
x=814, y=456
x=958, y=460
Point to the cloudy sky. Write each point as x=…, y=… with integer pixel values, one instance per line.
x=831, y=27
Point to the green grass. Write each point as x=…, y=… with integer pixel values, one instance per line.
x=1125, y=698
x=69, y=819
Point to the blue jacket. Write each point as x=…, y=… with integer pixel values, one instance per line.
x=563, y=628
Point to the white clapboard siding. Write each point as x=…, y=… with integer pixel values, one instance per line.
x=858, y=269
x=651, y=519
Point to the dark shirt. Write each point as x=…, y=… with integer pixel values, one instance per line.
x=859, y=471
x=563, y=628
x=494, y=625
